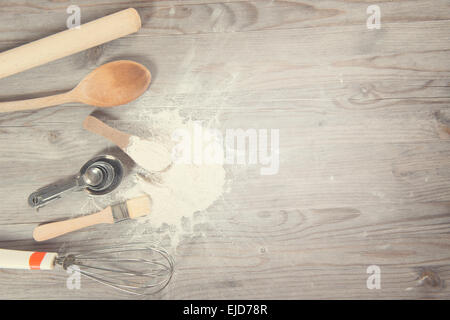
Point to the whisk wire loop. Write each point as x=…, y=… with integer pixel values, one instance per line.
x=130, y=274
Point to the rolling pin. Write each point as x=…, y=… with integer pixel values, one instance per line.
x=68, y=42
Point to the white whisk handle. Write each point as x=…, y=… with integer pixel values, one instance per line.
x=15, y=259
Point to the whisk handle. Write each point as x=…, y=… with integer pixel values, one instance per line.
x=56, y=229
x=16, y=259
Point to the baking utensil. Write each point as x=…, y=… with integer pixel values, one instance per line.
x=98, y=176
x=130, y=209
x=112, y=84
x=133, y=268
x=150, y=155
x=68, y=42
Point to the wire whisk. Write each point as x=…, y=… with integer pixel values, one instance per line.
x=139, y=269
x=135, y=269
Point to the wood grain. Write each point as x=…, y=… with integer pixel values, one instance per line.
x=364, y=120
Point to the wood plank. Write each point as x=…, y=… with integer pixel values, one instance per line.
x=206, y=16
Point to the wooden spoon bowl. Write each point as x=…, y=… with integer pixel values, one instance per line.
x=115, y=83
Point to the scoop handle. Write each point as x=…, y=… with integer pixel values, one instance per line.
x=68, y=42
x=55, y=229
x=31, y=260
x=119, y=138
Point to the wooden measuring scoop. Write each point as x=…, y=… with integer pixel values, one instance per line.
x=150, y=155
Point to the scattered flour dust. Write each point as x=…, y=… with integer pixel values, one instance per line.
x=184, y=190
x=180, y=190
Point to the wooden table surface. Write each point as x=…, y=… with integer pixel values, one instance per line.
x=364, y=120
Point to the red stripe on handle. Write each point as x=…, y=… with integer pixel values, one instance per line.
x=36, y=260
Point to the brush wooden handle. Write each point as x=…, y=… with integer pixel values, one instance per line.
x=37, y=103
x=68, y=42
x=15, y=259
x=56, y=229
x=119, y=138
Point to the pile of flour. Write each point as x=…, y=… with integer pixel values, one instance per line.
x=150, y=155
x=181, y=189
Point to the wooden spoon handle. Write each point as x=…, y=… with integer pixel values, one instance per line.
x=121, y=139
x=56, y=229
x=36, y=103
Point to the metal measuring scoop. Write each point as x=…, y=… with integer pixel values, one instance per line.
x=98, y=176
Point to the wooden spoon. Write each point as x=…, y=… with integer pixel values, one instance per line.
x=149, y=154
x=112, y=84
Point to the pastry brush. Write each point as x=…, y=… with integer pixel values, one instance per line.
x=129, y=209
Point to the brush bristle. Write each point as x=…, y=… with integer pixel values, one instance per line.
x=138, y=207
